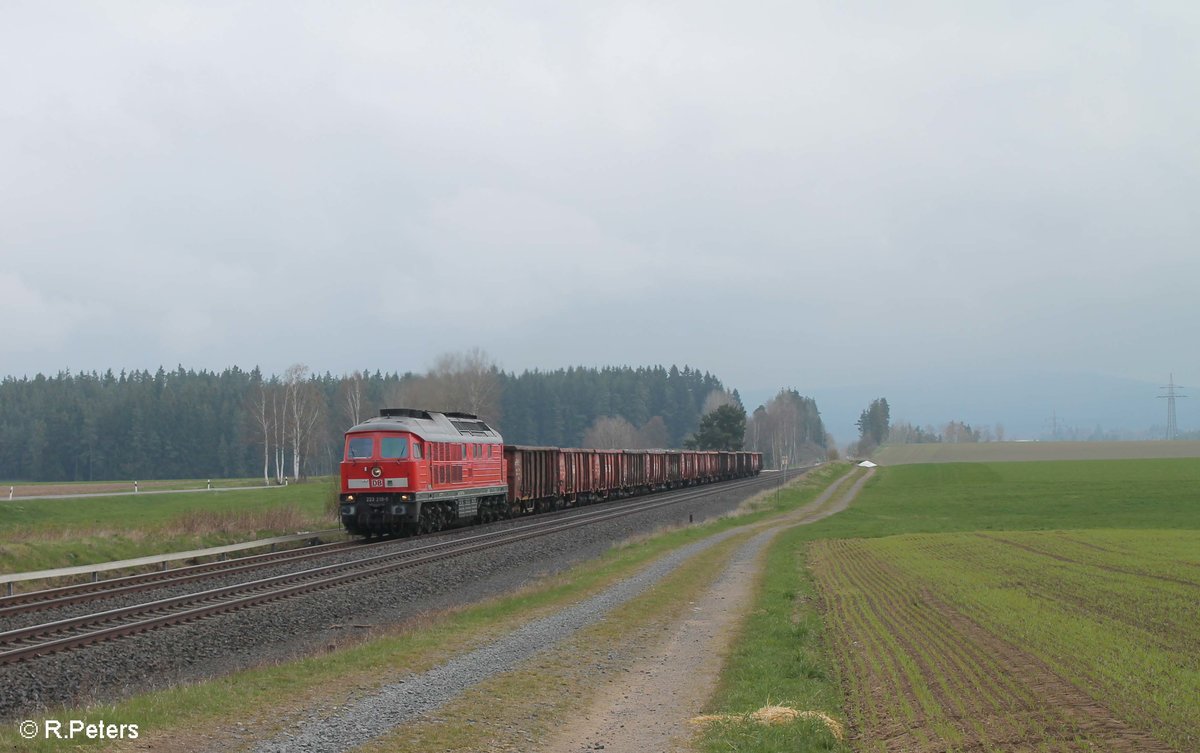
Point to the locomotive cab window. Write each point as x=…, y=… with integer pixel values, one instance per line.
x=359, y=447
x=393, y=448
x=416, y=450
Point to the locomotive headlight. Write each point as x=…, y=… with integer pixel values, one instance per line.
x=376, y=472
x=349, y=497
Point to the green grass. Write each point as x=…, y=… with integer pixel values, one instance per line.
x=1161, y=493
x=137, y=511
x=87, y=487
x=780, y=659
x=47, y=533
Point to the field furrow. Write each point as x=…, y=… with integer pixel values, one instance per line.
x=1130, y=641
x=1157, y=612
x=931, y=679
x=1053, y=549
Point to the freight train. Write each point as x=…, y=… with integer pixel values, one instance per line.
x=412, y=471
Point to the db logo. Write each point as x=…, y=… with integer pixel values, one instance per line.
x=376, y=482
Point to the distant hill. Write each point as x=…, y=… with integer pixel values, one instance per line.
x=1029, y=404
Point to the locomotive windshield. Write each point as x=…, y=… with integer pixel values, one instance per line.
x=359, y=447
x=393, y=447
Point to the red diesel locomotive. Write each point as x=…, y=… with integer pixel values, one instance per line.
x=415, y=471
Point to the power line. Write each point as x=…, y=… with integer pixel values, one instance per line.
x=1054, y=421
x=1172, y=427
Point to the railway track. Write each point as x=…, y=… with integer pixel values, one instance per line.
x=53, y=598
x=74, y=632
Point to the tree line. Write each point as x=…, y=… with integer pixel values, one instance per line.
x=952, y=432
x=788, y=430
x=875, y=428
x=234, y=423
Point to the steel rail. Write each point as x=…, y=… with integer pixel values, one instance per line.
x=189, y=607
x=59, y=596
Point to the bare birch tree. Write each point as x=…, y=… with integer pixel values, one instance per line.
x=469, y=381
x=787, y=427
x=279, y=404
x=303, y=408
x=611, y=433
x=653, y=434
x=308, y=413
x=715, y=400
x=263, y=422
x=350, y=394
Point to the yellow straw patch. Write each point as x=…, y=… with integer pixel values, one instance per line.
x=776, y=715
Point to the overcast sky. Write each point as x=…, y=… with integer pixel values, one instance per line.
x=790, y=193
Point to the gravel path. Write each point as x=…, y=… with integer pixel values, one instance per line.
x=666, y=686
x=400, y=702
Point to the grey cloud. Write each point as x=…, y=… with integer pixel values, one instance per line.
x=851, y=188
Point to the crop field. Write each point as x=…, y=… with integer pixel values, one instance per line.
x=1032, y=606
x=1078, y=641
x=1082, y=637
x=992, y=452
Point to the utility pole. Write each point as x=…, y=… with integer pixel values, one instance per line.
x=1053, y=420
x=1172, y=427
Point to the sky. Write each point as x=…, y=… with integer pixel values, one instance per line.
x=811, y=195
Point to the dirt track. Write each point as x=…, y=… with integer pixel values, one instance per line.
x=650, y=709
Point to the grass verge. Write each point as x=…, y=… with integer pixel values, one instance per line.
x=781, y=659
x=43, y=534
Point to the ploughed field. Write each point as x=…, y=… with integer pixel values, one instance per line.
x=986, y=633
